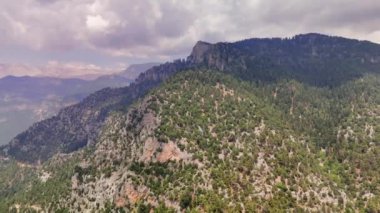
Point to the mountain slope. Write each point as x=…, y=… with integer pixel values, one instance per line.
x=76, y=126
x=312, y=59
x=209, y=142
x=231, y=150
x=26, y=100
x=231, y=129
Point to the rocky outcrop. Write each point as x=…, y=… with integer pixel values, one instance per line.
x=199, y=52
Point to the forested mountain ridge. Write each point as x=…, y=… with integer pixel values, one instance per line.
x=25, y=100
x=227, y=130
x=209, y=142
x=315, y=59
x=78, y=125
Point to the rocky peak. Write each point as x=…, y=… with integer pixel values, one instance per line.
x=199, y=51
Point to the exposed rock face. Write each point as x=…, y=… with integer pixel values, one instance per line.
x=211, y=55
x=198, y=55
x=150, y=147
x=171, y=152
x=133, y=195
x=126, y=139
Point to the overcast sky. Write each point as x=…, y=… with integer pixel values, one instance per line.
x=75, y=37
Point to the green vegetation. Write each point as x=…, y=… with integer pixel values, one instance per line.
x=27, y=187
x=268, y=130
x=269, y=147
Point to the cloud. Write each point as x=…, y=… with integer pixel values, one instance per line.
x=3, y=120
x=169, y=28
x=58, y=69
x=96, y=23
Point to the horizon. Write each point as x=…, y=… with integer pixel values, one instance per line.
x=93, y=76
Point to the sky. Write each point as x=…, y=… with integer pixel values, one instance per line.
x=76, y=38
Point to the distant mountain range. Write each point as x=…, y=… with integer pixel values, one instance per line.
x=25, y=100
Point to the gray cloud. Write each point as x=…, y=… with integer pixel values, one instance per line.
x=166, y=29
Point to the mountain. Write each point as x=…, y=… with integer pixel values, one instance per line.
x=315, y=59
x=77, y=126
x=26, y=100
x=266, y=125
x=134, y=70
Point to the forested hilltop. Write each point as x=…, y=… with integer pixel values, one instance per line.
x=256, y=125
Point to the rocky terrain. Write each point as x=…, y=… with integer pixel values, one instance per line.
x=261, y=125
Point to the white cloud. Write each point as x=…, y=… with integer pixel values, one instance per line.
x=96, y=23
x=58, y=69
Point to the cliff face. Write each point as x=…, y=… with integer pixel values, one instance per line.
x=198, y=54
x=211, y=55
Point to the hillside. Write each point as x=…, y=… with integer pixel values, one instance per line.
x=312, y=59
x=26, y=100
x=230, y=129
